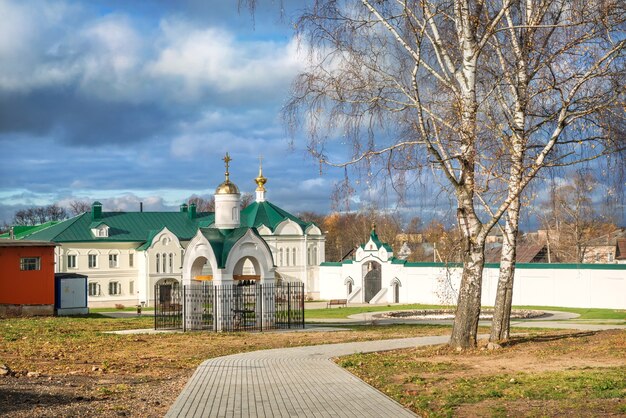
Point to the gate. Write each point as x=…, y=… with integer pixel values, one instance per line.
x=246, y=306
x=372, y=283
x=168, y=307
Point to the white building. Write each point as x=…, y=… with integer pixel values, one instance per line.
x=125, y=254
x=376, y=276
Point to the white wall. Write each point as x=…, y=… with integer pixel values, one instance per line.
x=587, y=286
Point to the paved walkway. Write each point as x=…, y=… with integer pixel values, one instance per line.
x=290, y=382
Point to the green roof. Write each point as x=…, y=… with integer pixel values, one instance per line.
x=223, y=240
x=378, y=242
x=123, y=226
x=22, y=231
x=268, y=214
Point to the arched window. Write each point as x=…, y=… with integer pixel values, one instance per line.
x=164, y=261
x=280, y=257
x=308, y=255
x=171, y=262
x=395, y=288
x=287, y=257
x=314, y=251
x=158, y=263
x=293, y=252
x=349, y=287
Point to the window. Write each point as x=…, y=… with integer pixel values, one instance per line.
x=280, y=257
x=158, y=263
x=293, y=252
x=112, y=260
x=131, y=260
x=93, y=261
x=287, y=257
x=30, y=263
x=171, y=262
x=164, y=262
x=94, y=289
x=131, y=288
x=314, y=251
x=71, y=261
x=115, y=288
x=308, y=256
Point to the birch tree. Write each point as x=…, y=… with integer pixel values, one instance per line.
x=558, y=66
x=410, y=84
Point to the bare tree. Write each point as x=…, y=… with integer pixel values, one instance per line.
x=39, y=215
x=412, y=84
x=78, y=207
x=202, y=204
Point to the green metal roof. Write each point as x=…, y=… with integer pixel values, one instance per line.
x=268, y=214
x=22, y=231
x=378, y=242
x=124, y=226
x=223, y=240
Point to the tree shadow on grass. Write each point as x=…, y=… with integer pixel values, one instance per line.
x=546, y=338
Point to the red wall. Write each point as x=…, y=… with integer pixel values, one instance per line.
x=30, y=287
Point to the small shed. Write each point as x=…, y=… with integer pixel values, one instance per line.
x=70, y=294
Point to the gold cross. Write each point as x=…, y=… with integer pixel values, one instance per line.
x=227, y=160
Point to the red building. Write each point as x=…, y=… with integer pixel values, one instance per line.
x=26, y=278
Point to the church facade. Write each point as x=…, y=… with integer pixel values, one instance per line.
x=125, y=254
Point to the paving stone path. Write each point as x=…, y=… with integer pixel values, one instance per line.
x=290, y=382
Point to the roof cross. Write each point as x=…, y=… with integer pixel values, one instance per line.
x=227, y=160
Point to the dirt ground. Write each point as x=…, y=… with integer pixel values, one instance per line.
x=64, y=367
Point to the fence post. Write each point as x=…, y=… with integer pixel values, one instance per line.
x=185, y=312
x=302, y=302
x=288, y=305
x=156, y=307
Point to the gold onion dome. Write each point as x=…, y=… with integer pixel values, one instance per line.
x=260, y=180
x=227, y=187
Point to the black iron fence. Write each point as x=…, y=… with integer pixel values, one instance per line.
x=246, y=306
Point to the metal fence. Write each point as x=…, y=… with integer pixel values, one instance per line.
x=246, y=306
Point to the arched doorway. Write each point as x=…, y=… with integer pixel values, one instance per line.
x=201, y=270
x=372, y=280
x=167, y=292
x=395, y=288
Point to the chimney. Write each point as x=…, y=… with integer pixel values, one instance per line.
x=183, y=207
x=11, y=233
x=140, y=206
x=192, y=211
x=96, y=211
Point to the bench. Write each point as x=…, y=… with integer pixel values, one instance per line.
x=337, y=302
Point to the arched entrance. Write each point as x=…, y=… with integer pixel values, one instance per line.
x=395, y=288
x=168, y=291
x=201, y=269
x=247, y=271
x=372, y=280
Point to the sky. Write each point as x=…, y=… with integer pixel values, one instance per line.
x=127, y=102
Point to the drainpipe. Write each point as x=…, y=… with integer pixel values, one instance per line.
x=304, y=256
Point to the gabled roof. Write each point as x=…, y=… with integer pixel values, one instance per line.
x=377, y=242
x=124, y=226
x=268, y=214
x=223, y=240
x=525, y=253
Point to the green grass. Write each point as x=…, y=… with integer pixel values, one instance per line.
x=585, y=313
x=345, y=312
x=342, y=312
x=113, y=309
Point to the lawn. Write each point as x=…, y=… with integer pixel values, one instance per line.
x=558, y=374
x=76, y=369
x=341, y=312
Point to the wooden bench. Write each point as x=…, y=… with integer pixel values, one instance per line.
x=337, y=302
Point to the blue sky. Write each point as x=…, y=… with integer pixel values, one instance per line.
x=138, y=101
x=128, y=101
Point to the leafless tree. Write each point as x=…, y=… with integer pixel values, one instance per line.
x=202, y=204
x=78, y=207
x=39, y=215
x=412, y=83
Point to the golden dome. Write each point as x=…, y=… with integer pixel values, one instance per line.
x=227, y=187
x=260, y=180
